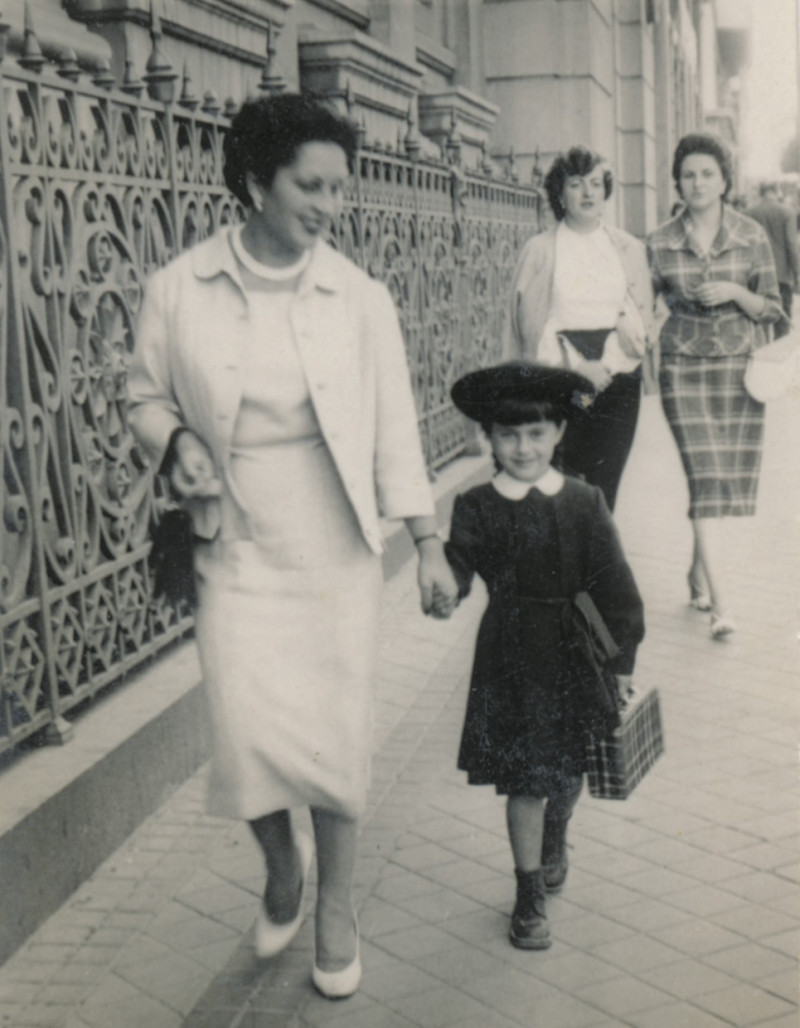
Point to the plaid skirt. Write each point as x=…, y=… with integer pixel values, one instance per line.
x=719, y=430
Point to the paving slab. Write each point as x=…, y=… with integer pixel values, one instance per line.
x=681, y=906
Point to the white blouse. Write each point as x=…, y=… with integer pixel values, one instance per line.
x=589, y=287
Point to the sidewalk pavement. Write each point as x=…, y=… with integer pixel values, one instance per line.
x=681, y=906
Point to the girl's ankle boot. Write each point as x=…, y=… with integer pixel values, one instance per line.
x=555, y=863
x=529, y=928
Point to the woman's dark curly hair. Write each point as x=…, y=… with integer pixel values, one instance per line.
x=712, y=146
x=580, y=160
x=266, y=133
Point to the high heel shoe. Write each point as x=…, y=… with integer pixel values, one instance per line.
x=340, y=984
x=721, y=626
x=698, y=599
x=271, y=938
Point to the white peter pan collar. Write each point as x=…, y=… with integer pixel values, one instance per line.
x=511, y=488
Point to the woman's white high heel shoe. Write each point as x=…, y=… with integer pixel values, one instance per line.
x=721, y=626
x=340, y=984
x=271, y=938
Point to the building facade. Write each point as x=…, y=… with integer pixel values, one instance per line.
x=515, y=80
x=112, y=117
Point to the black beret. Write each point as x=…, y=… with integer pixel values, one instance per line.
x=480, y=394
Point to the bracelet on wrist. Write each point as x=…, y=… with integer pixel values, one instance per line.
x=422, y=538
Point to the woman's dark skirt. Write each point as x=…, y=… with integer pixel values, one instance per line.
x=598, y=440
x=718, y=428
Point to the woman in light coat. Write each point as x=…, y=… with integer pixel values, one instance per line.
x=269, y=382
x=582, y=297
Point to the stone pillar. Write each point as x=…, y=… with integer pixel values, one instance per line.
x=635, y=154
x=464, y=36
x=392, y=23
x=664, y=114
x=549, y=68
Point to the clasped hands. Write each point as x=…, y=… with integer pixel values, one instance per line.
x=437, y=584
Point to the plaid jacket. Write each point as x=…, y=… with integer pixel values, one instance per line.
x=740, y=253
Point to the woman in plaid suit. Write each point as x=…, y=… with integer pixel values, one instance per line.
x=715, y=270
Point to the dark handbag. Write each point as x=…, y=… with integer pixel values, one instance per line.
x=619, y=760
x=171, y=559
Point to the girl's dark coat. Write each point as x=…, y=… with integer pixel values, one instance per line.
x=530, y=698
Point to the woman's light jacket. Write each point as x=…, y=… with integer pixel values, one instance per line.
x=188, y=369
x=532, y=291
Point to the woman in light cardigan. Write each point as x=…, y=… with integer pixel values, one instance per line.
x=582, y=296
x=269, y=382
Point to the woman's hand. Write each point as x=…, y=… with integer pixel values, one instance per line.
x=192, y=475
x=597, y=373
x=437, y=584
x=713, y=294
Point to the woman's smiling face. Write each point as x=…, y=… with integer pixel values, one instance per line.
x=305, y=197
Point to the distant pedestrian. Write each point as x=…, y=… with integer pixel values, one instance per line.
x=582, y=298
x=714, y=268
x=540, y=541
x=780, y=224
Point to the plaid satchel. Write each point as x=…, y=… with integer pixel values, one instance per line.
x=617, y=762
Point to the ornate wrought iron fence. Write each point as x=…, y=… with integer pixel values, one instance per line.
x=99, y=186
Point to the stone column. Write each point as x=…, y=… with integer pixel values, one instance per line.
x=549, y=68
x=392, y=24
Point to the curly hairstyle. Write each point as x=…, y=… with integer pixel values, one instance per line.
x=579, y=160
x=267, y=132
x=712, y=146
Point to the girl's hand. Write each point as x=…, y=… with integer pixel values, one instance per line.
x=443, y=605
x=625, y=688
x=713, y=294
x=192, y=475
x=437, y=584
x=597, y=373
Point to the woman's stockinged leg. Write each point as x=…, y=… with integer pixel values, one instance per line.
x=525, y=820
x=709, y=555
x=284, y=869
x=337, y=848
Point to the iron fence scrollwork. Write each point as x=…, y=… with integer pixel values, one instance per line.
x=99, y=187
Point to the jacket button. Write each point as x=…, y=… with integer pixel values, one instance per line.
x=320, y=385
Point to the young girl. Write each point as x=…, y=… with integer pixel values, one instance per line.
x=538, y=540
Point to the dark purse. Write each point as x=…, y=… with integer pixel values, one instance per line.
x=171, y=558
